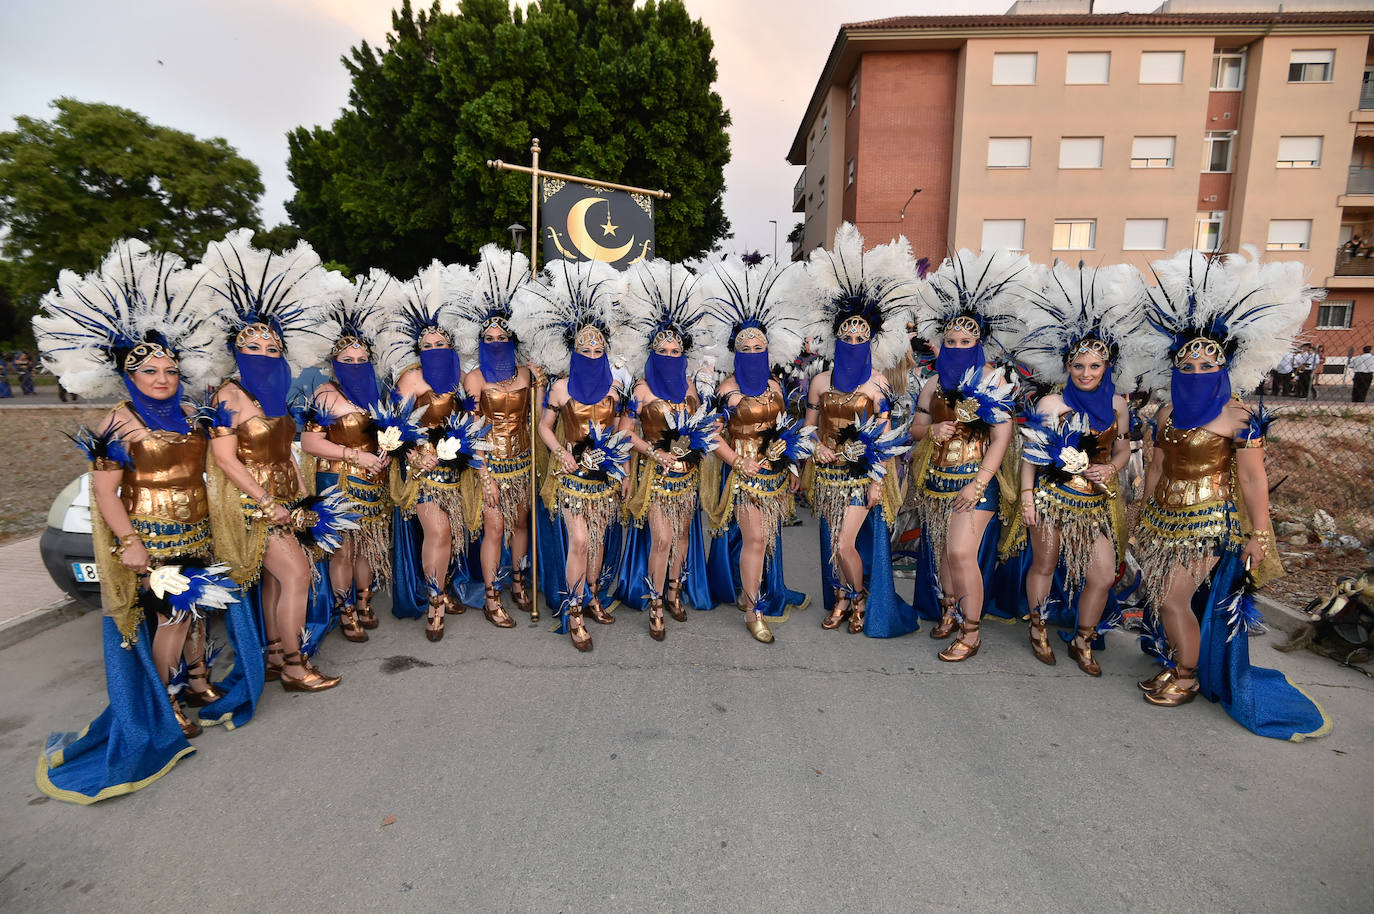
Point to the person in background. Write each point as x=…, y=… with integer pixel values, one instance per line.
x=5, y=392
x=1362, y=367
x=23, y=366
x=1304, y=364
x=1281, y=378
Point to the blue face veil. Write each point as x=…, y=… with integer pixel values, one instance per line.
x=1198, y=398
x=440, y=369
x=853, y=365
x=1095, y=403
x=666, y=376
x=267, y=379
x=589, y=380
x=358, y=381
x=952, y=364
x=497, y=360
x=159, y=415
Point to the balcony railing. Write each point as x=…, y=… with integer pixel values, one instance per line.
x=1361, y=180
x=1354, y=263
x=1367, y=97
x=799, y=188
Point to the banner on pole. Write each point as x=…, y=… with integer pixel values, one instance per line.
x=580, y=222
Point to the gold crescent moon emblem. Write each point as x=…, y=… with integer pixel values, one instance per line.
x=581, y=239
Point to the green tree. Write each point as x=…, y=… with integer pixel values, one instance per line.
x=612, y=91
x=71, y=186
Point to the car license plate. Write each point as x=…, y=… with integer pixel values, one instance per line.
x=86, y=572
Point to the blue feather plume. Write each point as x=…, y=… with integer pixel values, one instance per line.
x=461, y=441
x=991, y=396
x=102, y=445
x=602, y=454
x=1261, y=419
x=320, y=521
x=787, y=444
x=867, y=445
x=690, y=435
x=1242, y=615
x=208, y=588
x=1153, y=641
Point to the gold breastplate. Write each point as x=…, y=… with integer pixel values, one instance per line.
x=653, y=421
x=353, y=430
x=576, y=416
x=964, y=446
x=508, y=411
x=751, y=418
x=437, y=407
x=264, y=447
x=1196, y=468
x=838, y=411
x=168, y=477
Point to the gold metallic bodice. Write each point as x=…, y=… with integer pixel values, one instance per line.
x=964, y=446
x=353, y=430
x=167, y=480
x=575, y=416
x=508, y=411
x=752, y=417
x=1196, y=468
x=838, y=411
x=437, y=407
x=1102, y=442
x=264, y=447
x=653, y=421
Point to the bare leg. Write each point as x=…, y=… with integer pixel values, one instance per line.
x=436, y=553
x=851, y=564
x=1044, y=557
x=660, y=544
x=962, y=540
x=751, y=554
x=493, y=537
x=168, y=642
x=1101, y=573
x=1177, y=612
x=341, y=570
x=284, y=562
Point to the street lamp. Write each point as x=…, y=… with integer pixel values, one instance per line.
x=775, y=238
x=517, y=231
x=902, y=217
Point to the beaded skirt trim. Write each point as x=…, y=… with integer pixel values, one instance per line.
x=512, y=478
x=834, y=491
x=372, y=503
x=1170, y=539
x=1079, y=519
x=596, y=502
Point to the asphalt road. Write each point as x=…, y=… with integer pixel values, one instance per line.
x=827, y=772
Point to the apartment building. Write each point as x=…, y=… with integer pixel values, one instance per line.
x=1106, y=138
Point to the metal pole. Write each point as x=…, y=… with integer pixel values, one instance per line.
x=775, y=238
x=506, y=166
x=534, y=392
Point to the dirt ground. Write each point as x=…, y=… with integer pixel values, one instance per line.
x=38, y=461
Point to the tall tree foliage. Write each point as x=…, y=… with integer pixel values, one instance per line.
x=70, y=186
x=612, y=91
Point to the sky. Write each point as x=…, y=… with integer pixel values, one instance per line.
x=252, y=70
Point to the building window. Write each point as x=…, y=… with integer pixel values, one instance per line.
x=1335, y=315
x=851, y=174
x=1152, y=152
x=1013, y=69
x=1080, y=152
x=821, y=199
x=1004, y=233
x=1207, y=231
x=1216, y=151
x=1228, y=71
x=825, y=122
x=1088, y=68
x=1145, y=234
x=1074, y=234
x=810, y=155
x=1289, y=234
x=1009, y=152
x=1311, y=66
x=854, y=93
x=1161, y=67
x=1300, y=152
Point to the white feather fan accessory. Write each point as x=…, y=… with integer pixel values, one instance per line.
x=987, y=288
x=426, y=303
x=1078, y=305
x=768, y=295
x=657, y=296
x=498, y=276
x=245, y=285
x=1252, y=311
x=87, y=327
x=567, y=298
x=878, y=286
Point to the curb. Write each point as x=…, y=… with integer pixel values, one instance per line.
x=37, y=621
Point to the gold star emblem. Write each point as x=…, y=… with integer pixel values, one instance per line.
x=608, y=228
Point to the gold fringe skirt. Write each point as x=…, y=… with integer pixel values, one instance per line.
x=769, y=493
x=443, y=486
x=833, y=492
x=372, y=502
x=513, y=483
x=1079, y=518
x=596, y=502
x=1182, y=538
x=934, y=502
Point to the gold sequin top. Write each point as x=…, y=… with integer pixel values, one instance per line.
x=575, y=416
x=437, y=407
x=653, y=421
x=167, y=480
x=965, y=446
x=1103, y=442
x=752, y=417
x=353, y=430
x=1196, y=468
x=508, y=411
x=838, y=411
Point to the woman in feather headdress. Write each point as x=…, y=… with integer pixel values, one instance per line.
x=500, y=387
x=862, y=303
x=340, y=433
x=567, y=319
x=1082, y=339
x=126, y=329
x=265, y=302
x=418, y=341
x=963, y=419
x=1205, y=539
x=755, y=325
x=662, y=307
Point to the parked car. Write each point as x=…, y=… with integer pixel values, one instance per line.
x=66, y=546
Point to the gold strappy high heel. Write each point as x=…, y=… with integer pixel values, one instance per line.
x=960, y=650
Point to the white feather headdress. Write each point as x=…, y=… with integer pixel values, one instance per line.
x=659, y=297
x=878, y=286
x=984, y=288
x=89, y=325
x=767, y=295
x=1078, y=306
x=568, y=297
x=244, y=285
x=1251, y=311
x=424, y=304
x=499, y=274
